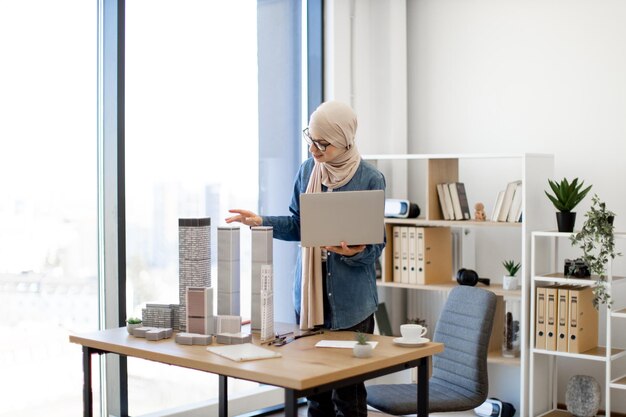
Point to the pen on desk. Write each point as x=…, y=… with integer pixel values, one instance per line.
x=311, y=333
x=284, y=341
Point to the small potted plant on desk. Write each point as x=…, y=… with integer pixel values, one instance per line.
x=566, y=196
x=597, y=241
x=132, y=323
x=510, y=282
x=362, y=349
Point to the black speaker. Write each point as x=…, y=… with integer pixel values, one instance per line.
x=470, y=277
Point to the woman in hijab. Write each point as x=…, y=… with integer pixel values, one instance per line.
x=334, y=287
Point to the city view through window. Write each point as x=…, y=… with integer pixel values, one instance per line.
x=191, y=151
x=48, y=202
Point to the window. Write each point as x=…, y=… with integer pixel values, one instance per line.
x=48, y=215
x=191, y=151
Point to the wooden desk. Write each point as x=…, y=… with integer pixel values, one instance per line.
x=302, y=370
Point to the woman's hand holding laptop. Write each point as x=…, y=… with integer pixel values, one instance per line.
x=345, y=250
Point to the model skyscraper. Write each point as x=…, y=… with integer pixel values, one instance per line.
x=267, y=303
x=194, y=259
x=228, y=271
x=262, y=254
x=199, y=304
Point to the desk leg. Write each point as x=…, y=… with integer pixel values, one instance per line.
x=223, y=396
x=87, y=394
x=422, y=387
x=291, y=403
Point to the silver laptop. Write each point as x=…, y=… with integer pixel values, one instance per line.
x=355, y=217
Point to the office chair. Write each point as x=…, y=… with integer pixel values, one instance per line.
x=459, y=378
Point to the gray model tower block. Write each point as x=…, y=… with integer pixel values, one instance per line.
x=199, y=309
x=262, y=254
x=194, y=259
x=158, y=315
x=228, y=271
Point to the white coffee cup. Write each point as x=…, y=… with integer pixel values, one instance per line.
x=412, y=331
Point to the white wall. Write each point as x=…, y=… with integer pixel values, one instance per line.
x=523, y=76
x=491, y=76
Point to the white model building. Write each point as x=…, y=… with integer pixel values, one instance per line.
x=262, y=254
x=267, y=303
x=228, y=271
x=199, y=310
x=194, y=259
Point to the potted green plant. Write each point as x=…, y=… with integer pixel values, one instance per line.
x=566, y=195
x=597, y=241
x=132, y=323
x=362, y=349
x=510, y=282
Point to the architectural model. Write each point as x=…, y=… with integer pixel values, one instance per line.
x=226, y=324
x=159, y=315
x=194, y=259
x=199, y=302
x=262, y=254
x=152, y=333
x=233, y=338
x=228, y=269
x=267, y=303
x=193, y=339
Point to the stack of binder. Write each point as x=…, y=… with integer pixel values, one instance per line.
x=565, y=318
x=421, y=255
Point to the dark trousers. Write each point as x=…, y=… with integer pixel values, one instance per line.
x=349, y=401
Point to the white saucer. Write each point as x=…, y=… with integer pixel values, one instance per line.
x=401, y=341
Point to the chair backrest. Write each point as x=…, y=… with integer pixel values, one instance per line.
x=464, y=327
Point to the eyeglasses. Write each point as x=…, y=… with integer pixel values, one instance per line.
x=307, y=137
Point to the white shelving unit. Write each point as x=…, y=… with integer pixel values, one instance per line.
x=544, y=368
x=487, y=178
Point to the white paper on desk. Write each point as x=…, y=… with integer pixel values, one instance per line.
x=346, y=344
x=243, y=352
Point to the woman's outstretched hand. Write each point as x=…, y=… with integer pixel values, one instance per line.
x=246, y=217
x=346, y=250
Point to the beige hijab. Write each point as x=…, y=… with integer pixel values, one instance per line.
x=336, y=123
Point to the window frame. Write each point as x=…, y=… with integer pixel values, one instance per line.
x=305, y=17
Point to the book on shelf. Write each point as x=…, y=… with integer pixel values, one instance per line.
x=442, y=202
x=540, y=318
x=456, y=203
x=507, y=200
x=551, y=316
x=516, y=205
x=462, y=194
x=448, y=201
x=496, y=206
x=396, y=248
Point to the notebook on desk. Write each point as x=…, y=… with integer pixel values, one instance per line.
x=243, y=352
x=354, y=217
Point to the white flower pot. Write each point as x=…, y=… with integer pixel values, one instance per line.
x=130, y=327
x=509, y=283
x=362, y=351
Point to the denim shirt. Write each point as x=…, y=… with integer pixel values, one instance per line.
x=350, y=281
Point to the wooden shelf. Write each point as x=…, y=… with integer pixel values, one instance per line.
x=619, y=313
x=495, y=357
x=619, y=383
x=596, y=354
x=451, y=223
x=495, y=288
x=556, y=413
x=558, y=277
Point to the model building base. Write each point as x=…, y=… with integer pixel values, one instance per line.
x=153, y=333
x=193, y=339
x=233, y=338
